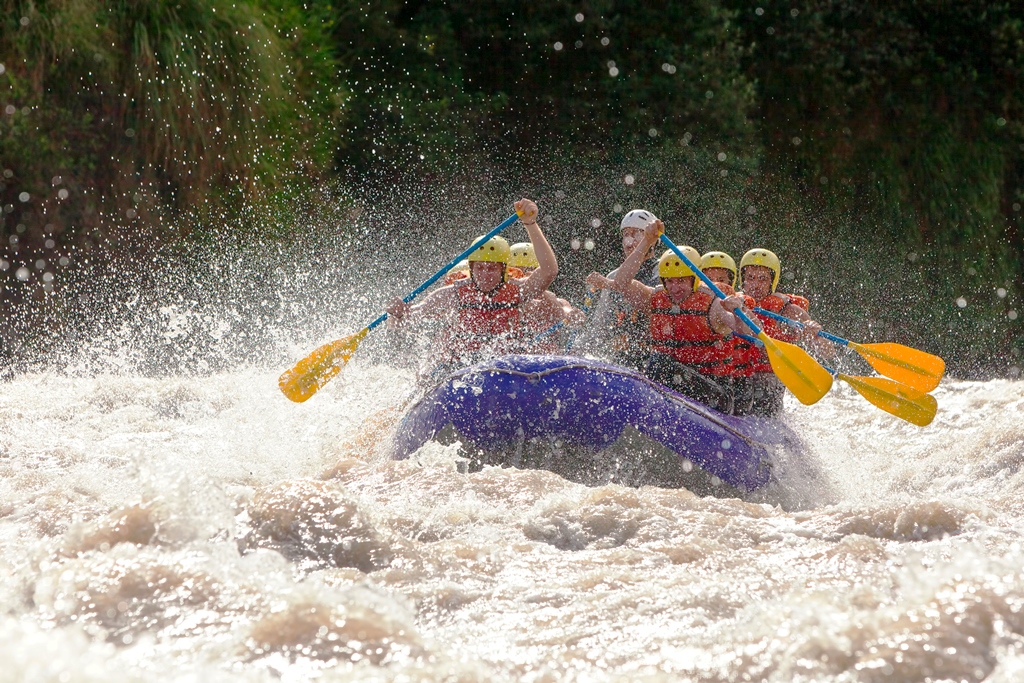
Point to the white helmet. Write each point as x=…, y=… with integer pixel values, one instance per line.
x=637, y=218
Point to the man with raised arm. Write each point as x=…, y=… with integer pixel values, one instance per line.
x=484, y=311
x=688, y=329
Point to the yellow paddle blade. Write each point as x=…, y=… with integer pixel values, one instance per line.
x=319, y=367
x=896, y=399
x=801, y=374
x=904, y=364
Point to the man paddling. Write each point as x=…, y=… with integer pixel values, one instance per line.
x=759, y=272
x=688, y=326
x=616, y=330
x=484, y=311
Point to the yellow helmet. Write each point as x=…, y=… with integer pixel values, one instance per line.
x=494, y=250
x=719, y=259
x=522, y=256
x=670, y=265
x=763, y=257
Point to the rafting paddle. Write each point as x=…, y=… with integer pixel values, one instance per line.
x=894, y=398
x=319, y=367
x=795, y=368
x=904, y=364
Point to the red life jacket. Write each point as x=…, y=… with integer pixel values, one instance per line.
x=744, y=353
x=486, y=319
x=774, y=328
x=684, y=332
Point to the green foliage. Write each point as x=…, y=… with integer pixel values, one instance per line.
x=140, y=106
x=430, y=79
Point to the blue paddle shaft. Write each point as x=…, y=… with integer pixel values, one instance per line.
x=451, y=264
x=706, y=280
x=799, y=325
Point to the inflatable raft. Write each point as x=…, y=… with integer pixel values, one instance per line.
x=569, y=414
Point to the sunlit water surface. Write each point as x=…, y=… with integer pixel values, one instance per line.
x=207, y=529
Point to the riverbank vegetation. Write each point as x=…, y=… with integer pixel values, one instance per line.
x=880, y=147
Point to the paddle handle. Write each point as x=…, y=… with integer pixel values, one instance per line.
x=753, y=340
x=706, y=280
x=451, y=264
x=799, y=325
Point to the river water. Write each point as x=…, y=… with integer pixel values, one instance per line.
x=203, y=528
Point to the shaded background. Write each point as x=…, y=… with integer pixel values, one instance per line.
x=210, y=162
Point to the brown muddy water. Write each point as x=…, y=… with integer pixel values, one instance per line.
x=187, y=529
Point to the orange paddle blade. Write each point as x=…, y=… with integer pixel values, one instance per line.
x=795, y=368
x=904, y=364
x=319, y=367
x=906, y=403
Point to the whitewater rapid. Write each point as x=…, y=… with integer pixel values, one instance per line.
x=204, y=528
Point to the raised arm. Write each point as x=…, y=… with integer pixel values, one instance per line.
x=547, y=263
x=636, y=293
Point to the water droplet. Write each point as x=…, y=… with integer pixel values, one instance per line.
x=595, y=222
x=759, y=11
x=794, y=12
x=559, y=194
x=3, y=69
x=1012, y=315
x=130, y=132
x=961, y=302
x=574, y=244
x=1000, y=121
x=8, y=173
x=604, y=41
x=56, y=180
x=558, y=47
x=23, y=197
x=617, y=208
x=797, y=141
x=578, y=44
x=579, y=17
x=588, y=244
x=47, y=277
x=653, y=132
x=49, y=244
x=22, y=274
x=629, y=179
x=770, y=31
x=10, y=109
x=709, y=94
x=751, y=209
x=722, y=156
x=62, y=194
x=23, y=21
x=726, y=444
x=1001, y=293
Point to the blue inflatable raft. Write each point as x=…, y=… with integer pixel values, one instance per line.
x=568, y=414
